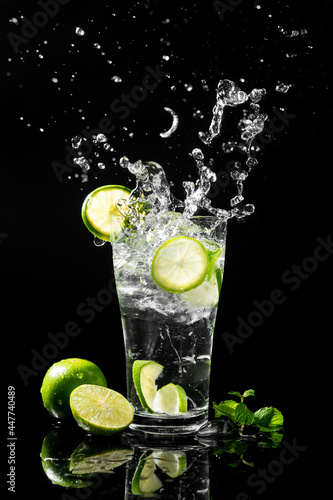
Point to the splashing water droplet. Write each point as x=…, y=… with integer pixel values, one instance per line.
x=76, y=142
x=98, y=242
x=174, y=125
x=79, y=31
x=101, y=138
x=82, y=162
x=283, y=87
x=101, y=166
x=116, y=79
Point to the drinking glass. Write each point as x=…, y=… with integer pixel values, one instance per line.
x=174, y=330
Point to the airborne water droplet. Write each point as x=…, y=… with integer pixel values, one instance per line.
x=101, y=138
x=79, y=31
x=283, y=87
x=98, y=242
x=76, y=141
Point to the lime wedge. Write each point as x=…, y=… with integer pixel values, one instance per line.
x=98, y=207
x=173, y=462
x=145, y=480
x=100, y=410
x=180, y=264
x=145, y=374
x=170, y=399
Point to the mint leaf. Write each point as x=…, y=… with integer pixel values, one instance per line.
x=269, y=419
x=243, y=415
x=249, y=392
x=225, y=408
x=235, y=393
x=263, y=416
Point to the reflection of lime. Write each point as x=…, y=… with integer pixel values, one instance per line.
x=145, y=374
x=172, y=462
x=62, y=378
x=99, y=410
x=180, y=264
x=170, y=399
x=98, y=207
x=55, y=462
x=145, y=480
x=98, y=457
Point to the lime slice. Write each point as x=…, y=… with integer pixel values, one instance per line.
x=173, y=462
x=145, y=374
x=170, y=399
x=205, y=295
x=145, y=480
x=62, y=378
x=100, y=410
x=98, y=207
x=180, y=264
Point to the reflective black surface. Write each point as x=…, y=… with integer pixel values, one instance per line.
x=57, y=289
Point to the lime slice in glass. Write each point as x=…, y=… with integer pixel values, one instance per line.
x=98, y=207
x=173, y=462
x=100, y=410
x=145, y=480
x=145, y=374
x=170, y=399
x=180, y=264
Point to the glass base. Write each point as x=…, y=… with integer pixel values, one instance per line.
x=168, y=425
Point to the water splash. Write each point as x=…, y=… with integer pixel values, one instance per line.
x=153, y=189
x=227, y=94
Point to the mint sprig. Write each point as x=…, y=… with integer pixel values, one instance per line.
x=267, y=419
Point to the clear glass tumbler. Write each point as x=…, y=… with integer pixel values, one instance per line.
x=173, y=330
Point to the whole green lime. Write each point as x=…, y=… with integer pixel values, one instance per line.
x=62, y=378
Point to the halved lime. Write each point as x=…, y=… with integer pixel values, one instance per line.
x=180, y=264
x=170, y=399
x=171, y=462
x=98, y=207
x=100, y=410
x=62, y=378
x=145, y=374
x=145, y=480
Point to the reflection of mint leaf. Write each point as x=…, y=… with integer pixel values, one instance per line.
x=243, y=415
x=268, y=419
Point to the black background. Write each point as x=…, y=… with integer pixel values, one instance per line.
x=49, y=263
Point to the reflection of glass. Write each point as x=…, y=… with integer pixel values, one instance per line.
x=179, y=472
x=174, y=330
